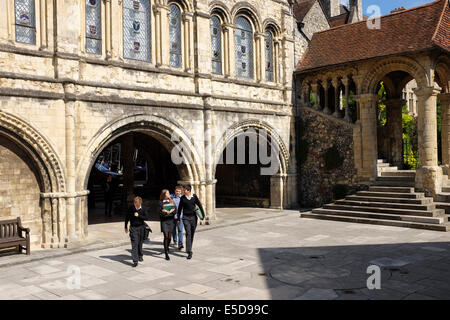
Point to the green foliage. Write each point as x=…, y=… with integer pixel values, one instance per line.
x=381, y=106
x=333, y=159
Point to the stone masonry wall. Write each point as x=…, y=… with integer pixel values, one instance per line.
x=19, y=190
x=317, y=133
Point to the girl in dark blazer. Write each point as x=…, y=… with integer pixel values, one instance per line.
x=166, y=213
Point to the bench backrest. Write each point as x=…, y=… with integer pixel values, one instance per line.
x=9, y=228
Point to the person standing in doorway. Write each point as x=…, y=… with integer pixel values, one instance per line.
x=109, y=190
x=177, y=231
x=167, y=209
x=136, y=216
x=188, y=205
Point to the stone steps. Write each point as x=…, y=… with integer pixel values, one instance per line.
x=394, y=211
x=391, y=200
x=412, y=195
x=394, y=223
x=399, y=173
x=391, y=189
x=388, y=199
x=422, y=207
x=382, y=216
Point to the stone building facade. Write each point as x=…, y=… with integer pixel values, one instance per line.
x=76, y=75
x=411, y=47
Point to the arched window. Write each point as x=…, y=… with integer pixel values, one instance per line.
x=93, y=26
x=269, y=56
x=216, y=44
x=244, y=47
x=136, y=30
x=175, y=36
x=25, y=21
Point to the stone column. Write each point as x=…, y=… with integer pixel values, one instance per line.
x=395, y=131
x=315, y=90
x=276, y=64
x=43, y=26
x=208, y=145
x=346, y=83
x=429, y=174
x=337, y=111
x=158, y=53
x=445, y=135
x=277, y=191
x=326, y=86
x=128, y=170
x=368, y=104
x=259, y=64
x=306, y=95
x=108, y=31
x=163, y=36
x=187, y=23
x=231, y=56
x=226, y=50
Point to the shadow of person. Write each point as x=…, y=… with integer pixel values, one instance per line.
x=122, y=258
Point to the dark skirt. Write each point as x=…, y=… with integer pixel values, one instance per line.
x=167, y=225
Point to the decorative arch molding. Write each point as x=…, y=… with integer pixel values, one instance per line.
x=250, y=11
x=222, y=9
x=382, y=68
x=443, y=71
x=161, y=129
x=237, y=128
x=39, y=148
x=186, y=5
x=270, y=23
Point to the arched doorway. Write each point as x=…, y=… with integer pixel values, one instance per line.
x=138, y=165
x=32, y=184
x=248, y=169
x=397, y=138
x=166, y=149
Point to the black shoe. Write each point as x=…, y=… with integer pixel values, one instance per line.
x=135, y=264
x=141, y=259
x=189, y=255
x=167, y=257
x=180, y=247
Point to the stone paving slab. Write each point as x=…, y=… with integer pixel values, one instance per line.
x=313, y=260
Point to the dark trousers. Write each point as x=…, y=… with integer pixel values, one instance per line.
x=137, y=235
x=190, y=224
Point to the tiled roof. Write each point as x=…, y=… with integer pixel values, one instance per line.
x=338, y=20
x=412, y=30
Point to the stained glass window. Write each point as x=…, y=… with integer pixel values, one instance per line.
x=175, y=36
x=269, y=56
x=136, y=30
x=25, y=21
x=243, y=38
x=216, y=45
x=93, y=26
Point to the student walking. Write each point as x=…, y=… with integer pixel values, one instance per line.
x=136, y=216
x=177, y=231
x=188, y=204
x=167, y=211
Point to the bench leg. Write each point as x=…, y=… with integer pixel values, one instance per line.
x=20, y=248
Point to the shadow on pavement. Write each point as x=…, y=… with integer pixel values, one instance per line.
x=408, y=271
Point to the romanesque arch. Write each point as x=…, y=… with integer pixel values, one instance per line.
x=384, y=67
x=166, y=131
x=49, y=171
x=238, y=128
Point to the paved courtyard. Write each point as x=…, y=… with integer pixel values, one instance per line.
x=280, y=257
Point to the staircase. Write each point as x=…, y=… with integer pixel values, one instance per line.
x=390, y=201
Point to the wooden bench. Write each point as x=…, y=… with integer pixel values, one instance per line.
x=11, y=235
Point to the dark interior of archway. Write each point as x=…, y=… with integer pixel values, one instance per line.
x=152, y=170
x=241, y=184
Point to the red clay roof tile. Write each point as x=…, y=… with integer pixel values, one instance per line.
x=412, y=30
